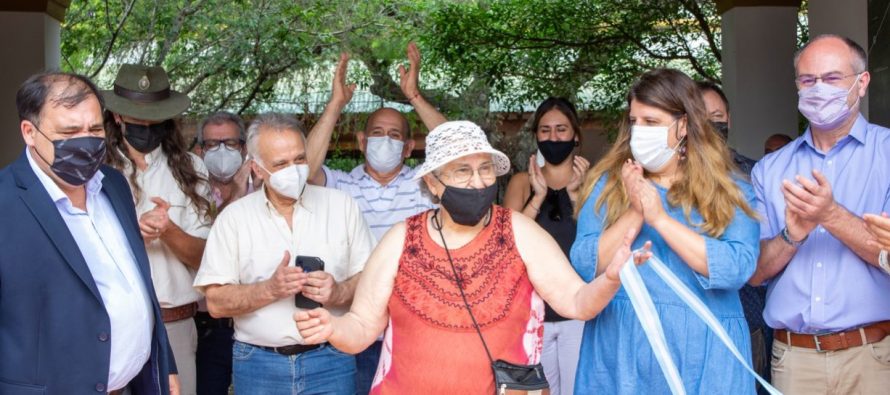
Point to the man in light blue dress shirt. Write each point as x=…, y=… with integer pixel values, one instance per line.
x=827, y=296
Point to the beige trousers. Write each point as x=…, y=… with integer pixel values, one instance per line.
x=184, y=341
x=858, y=370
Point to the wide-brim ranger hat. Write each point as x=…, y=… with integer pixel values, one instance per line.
x=456, y=139
x=143, y=92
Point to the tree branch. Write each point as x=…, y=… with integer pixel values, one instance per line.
x=114, y=35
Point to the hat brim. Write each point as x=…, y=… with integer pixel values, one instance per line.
x=161, y=110
x=501, y=162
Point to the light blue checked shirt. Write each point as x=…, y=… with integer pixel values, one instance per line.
x=382, y=205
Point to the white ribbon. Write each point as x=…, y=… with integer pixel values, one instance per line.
x=645, y=310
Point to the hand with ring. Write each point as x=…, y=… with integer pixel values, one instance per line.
x=320, y=286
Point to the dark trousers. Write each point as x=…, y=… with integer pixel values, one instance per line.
x=753, y=302
x=214, y=357
x=366, y=366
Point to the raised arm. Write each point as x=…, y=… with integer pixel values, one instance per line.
x=368, y=317
x=320, y=136
x=556, y=281
x=408, y=80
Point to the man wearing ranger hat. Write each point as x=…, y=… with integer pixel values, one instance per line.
x=171, y=192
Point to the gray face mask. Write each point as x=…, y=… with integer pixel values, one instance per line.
x=76, y=159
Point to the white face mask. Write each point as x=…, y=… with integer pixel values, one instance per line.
x=384, y=153
x=223, y=162
x=649, y=146
x=290, y=180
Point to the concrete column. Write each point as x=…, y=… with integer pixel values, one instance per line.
x=758, y=74
x=31, y=45
x=847, y=18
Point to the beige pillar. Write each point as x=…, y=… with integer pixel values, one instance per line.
x=31, y=44
x=847, y=18
x=759, y=40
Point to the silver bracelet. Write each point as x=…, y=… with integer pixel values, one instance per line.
x=883, y=261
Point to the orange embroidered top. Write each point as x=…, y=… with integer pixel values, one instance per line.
x=431, y=345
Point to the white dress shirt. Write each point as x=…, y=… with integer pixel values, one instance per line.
x=104, y=246
x=249, y=239
x=172, y=278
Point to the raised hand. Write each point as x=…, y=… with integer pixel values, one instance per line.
x=631, y=174
x=153, y=223
x=812, y=200
x=314, y=325
x=536, y=178
x=650, y=202
x=879, y=228
x=341, y=93
x=287, y=280
x=579, y=169
x=408, y=79
x=623, y=253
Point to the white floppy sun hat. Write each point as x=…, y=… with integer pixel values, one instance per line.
x=456, y=139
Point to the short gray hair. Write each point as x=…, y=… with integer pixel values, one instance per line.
x=276, y=122
x=860, y=58
x=220, y=118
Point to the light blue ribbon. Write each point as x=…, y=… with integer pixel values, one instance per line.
x=645, y=310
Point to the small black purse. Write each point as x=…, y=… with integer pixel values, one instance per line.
x=509, y=378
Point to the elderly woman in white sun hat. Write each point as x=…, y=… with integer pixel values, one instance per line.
x=430, y=272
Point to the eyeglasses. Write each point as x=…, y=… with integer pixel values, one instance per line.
x=230, y=143
x=834, y=78
x=463, y=174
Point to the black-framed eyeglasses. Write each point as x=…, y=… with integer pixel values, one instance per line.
x=233, y=143
x=833, y=78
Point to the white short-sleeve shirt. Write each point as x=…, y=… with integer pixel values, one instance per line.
x=171, y=277
x=249, y=239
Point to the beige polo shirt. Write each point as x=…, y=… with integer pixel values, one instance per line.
x=249, y=239
x=171, y=277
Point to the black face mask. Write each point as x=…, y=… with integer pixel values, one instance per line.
x=145, y=138
x=556, y=152
x=467, y=206
x=76, y=159
x=722, y=129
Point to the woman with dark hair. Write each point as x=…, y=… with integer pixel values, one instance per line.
x=547, y=195
x=668, y=178
x=171, y=192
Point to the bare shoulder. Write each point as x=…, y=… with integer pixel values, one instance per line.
x=518, y=180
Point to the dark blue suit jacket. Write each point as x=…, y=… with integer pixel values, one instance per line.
x=54, y=330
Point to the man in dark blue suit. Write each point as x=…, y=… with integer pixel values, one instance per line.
x=78, y=313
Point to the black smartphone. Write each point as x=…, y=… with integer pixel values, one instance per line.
x=309, y=264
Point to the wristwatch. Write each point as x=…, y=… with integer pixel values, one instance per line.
x=790, y=242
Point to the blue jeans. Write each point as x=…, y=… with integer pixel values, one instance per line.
x=214, y=357
x=366, y=366
x=324, y=370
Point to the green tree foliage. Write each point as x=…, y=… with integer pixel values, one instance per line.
x=253, y=55
x=586, y=50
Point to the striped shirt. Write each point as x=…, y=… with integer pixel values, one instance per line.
x=382, y=205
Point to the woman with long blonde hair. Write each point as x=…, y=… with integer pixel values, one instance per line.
x=669, y=176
